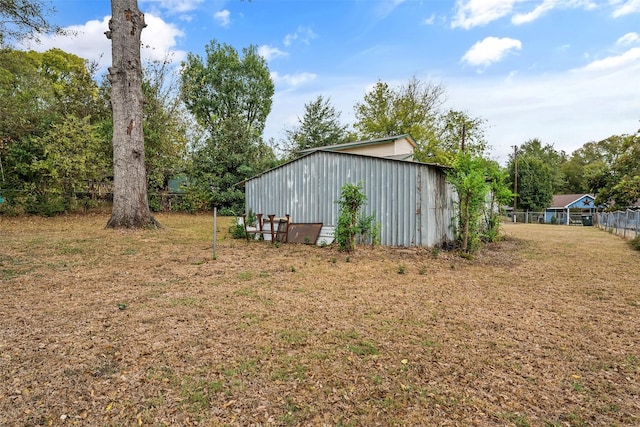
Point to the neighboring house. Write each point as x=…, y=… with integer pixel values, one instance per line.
x=393, y=147
x=571, y=209
x=412, y=201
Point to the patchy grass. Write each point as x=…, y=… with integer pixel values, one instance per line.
x=111, y=327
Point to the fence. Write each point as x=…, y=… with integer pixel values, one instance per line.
x=527, y=217
x=622, y=223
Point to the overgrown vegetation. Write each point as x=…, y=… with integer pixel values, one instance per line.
x=481, y=189
x=352, y=223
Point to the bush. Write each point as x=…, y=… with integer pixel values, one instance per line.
x=237, y=231
x=635, y=243
x=154, y=203
x=352, y=197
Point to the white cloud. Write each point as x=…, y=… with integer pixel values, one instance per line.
x=430, y=20
x=625, y=7
x=548, y=5
x=566, y=109
x=628, y=39
x=303, y=34
x=293, y=79
x=613, y=63
x=289, y=38
x=160, y=38
x=473, y=13
x=88, y=41
x=223, y=17
x=268, y=52
x=177, y=6
x=537, y=12
x=490, y=50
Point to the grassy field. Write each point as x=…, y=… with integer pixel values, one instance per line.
x=123, y=328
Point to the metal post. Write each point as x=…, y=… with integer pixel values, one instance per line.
x=215, y=218
x=515, y=181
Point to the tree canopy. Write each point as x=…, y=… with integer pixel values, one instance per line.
x=412, y=108
x=231, y=96
x=49, y=151
x=619, y=186
x=319, y=126
x=453, y=131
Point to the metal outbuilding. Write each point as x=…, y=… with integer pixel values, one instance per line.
x=412, y=201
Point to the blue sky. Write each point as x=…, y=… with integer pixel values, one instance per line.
x=564, y=71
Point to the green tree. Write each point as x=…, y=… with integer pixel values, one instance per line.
x=621, y=184
x=39, y=89
x=319, y=126
x=469, y=177
x=534, y=148
x=450, y=131
x=535, y=183
x=589, y=168
x=72, y=156
x=231, y=97
x=412, y=108
x=165, y=126
x=500, y=195
x=44, y=96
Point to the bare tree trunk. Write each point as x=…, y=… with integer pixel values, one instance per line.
x=130, y=204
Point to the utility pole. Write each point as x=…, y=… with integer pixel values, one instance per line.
x=515, y=181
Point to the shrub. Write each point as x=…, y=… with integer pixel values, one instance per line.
x=635, y=243
x=352, y=198
x=237, y=231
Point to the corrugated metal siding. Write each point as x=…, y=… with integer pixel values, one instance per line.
x=412, y=201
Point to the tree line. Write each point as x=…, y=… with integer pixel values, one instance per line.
x=204, y=124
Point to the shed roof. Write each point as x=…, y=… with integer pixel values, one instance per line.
x=341, y=153
x=377, y=141
x=563, y=201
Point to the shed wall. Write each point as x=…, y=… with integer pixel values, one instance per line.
x=412, y=201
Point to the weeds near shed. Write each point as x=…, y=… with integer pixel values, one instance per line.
x=352, y=198
x=237, y=231
x=435, y=252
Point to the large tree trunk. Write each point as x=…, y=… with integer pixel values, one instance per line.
x=130, y=204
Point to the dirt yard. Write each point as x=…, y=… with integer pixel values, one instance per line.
x=121, y=328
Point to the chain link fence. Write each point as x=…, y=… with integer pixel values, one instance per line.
x=527, y=217
x=621, y=223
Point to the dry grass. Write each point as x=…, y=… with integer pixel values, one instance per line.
x=103, y=327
